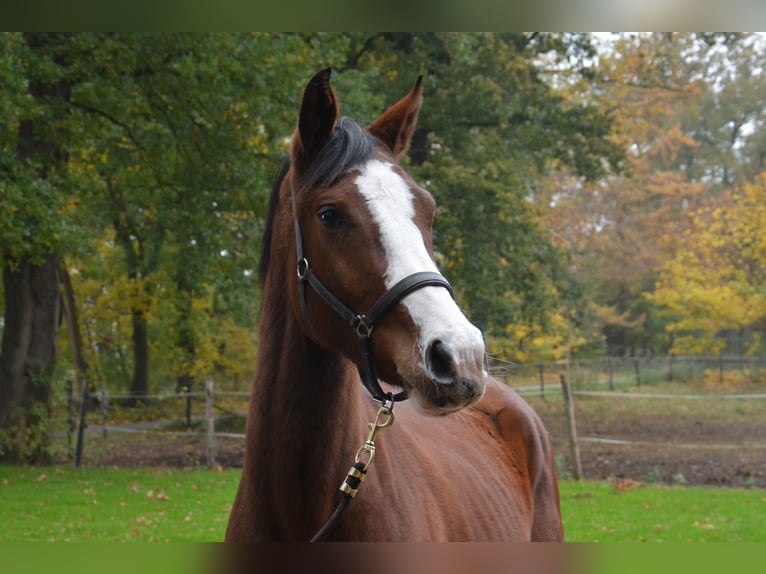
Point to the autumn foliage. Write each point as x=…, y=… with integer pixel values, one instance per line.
x=715, y=282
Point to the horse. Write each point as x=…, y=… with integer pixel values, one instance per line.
x=354, y=309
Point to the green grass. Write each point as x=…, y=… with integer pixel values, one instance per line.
x=635, y=512
x=101, y=504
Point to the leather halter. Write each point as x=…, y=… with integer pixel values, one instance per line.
x=362, y=324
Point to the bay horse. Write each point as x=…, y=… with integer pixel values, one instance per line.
x=353, y=308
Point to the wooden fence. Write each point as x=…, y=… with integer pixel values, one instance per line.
x=607, y=373
x=105, y=400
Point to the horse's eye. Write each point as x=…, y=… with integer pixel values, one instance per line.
x=331, y=217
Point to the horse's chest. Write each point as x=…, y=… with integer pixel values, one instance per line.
x=465, y=499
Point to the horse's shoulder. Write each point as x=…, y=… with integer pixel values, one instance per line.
x=512, y=418
x=521, y=429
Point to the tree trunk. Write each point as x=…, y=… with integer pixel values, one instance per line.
x=41, y=358
x=139, y=386
x=17, y=329
x=29, y=357
x=186, y=339
x=134, y=259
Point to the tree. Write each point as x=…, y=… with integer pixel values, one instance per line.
x=715, y=284
x=184, y=133
x=727, y=120
x=35, y=181
x=625, y=227
x=176, y=140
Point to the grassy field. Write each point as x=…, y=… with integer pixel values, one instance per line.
x=64, y=504
x=100, y=504
x=626, y=511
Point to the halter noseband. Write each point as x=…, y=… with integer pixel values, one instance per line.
x=362, y=324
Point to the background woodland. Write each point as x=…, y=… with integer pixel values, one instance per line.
x=597, y=195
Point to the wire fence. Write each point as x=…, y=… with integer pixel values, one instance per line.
x=103, y=412
x=200, y=413
x=615, y=372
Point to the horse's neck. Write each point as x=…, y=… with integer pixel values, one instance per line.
x=306, y=422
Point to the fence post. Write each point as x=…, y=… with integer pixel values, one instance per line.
x=638, y=373
x=720, y=368
x=670, y=368
x=187, y=391
x=104, y=411
x=578, y=379
x=572, y=428
x=70, y=420
x=610, y=369
x=84, y=398
x=210, y=419
x=542, y=379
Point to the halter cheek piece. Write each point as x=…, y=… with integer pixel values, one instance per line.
x=362, y=324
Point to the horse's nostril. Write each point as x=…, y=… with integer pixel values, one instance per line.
x=440, y=362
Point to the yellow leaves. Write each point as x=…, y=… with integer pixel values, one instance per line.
x=391, y=75
x=518, y=332
x=524, y=343
x=715, y=281
x=220, y=344
x=608, y=315
x=106, y=300
x=260, y=141
x=702, y=344
x=755, y=345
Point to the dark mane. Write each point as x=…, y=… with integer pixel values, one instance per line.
x=263, y=264
x=348, y=146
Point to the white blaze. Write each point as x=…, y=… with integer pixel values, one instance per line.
x=432, y=309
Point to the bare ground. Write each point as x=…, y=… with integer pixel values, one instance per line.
x=699, y=443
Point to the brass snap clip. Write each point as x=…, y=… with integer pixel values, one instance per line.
x=383, y=419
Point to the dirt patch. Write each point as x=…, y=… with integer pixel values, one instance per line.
x=700, y=465
x=700, y=443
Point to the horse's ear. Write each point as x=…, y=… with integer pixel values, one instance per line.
x=396, y=125
x=316, y=122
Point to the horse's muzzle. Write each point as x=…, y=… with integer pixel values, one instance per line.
x=456, y=375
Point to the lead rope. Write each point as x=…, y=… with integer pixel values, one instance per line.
x=358, y=472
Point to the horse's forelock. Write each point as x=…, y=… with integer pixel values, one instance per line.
x=348, y=146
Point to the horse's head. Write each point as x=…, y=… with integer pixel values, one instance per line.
x=362, y=226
